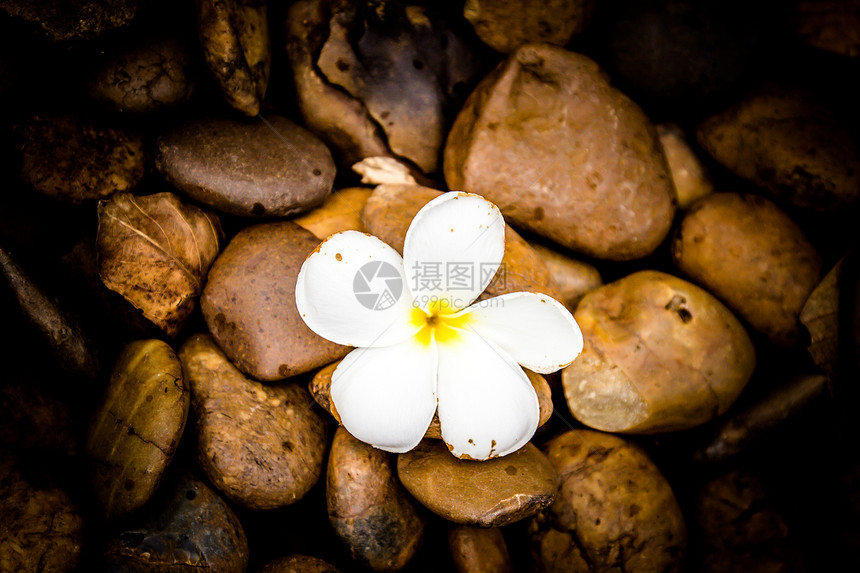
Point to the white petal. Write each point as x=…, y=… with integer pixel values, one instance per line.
x=351, y=291
x=453, y=248
x=535, y=330
x=487, y=406
x=387, y=396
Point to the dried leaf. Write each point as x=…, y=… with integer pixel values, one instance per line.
x=820, y=316
x=155, y=251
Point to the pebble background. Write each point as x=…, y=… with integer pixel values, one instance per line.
x=106, y=100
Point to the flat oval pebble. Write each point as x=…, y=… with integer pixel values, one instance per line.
x=249, y=303
x=479, y=550
x=144, y=77
x=41, y=529
x=391, y=208
x=563, y=154
x=267, y=167
x=298, y=564
x=72, y=159
x=368, y=508
x=660, y=355
x=482, y=494
x=188, y=528
x=748, y=252
x=575, y=278
x=261, y=445
x=789, y=144
x=614, y=510
x=135, y=432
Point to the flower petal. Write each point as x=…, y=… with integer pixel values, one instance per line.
x=386, y=397
x=487, y=406
x=350, y=291
x=535, y=330
x=452, y=250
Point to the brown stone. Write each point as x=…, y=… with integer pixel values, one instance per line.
x=660, y=355
x=391, y=208
x=72, y=159
x=320, y=389
x=148, y=76
x=574, y=278
x=367, y=507
x=135, y=432
x=261, y=445
x=832, y=25
x=234, y=35
x=614, y=510
x=483, y=494
x=268, y=167
x=748, y=252
x=505, y=25
x=688, y=174
x=41, y=529
x=249, y=304
x=341, y=211
x=563, y=154
x=189, y=527
x=378, y=83
x=789, y=144
x=298, y=564
x=820, y=316
x=477, y=550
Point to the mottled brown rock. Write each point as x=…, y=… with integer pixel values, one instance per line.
x=72, y=159
x=136, y=429
x=391, y=208
x=73, y=19
x=563, y=154
x=574, y=278
x=144, y=77
x=820, y=316
x=270, y=167
x=660, y=355
x=505, y=25
x=320, y=389
x=374, y=82
x=234, y=35
x=188, y=528
x=336, y=117
x=477, y=550
x=688, y=174
x=483, y=494
x=298, y=564
x=261, y=445
x=61, y=330
x=32, y=417
x=41, y=529
x=832, y=25
x=748, y=252
x=788, y=144
x=341, y=211
x=367, y=507
x=155, y=250
x=249, y=304
x=614, y=511
x=741, y=528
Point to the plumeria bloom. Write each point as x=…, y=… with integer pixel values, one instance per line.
x=420, y=346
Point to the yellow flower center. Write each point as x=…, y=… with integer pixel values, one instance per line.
x=437, y=325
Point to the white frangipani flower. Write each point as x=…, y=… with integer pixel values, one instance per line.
x=420, y=346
